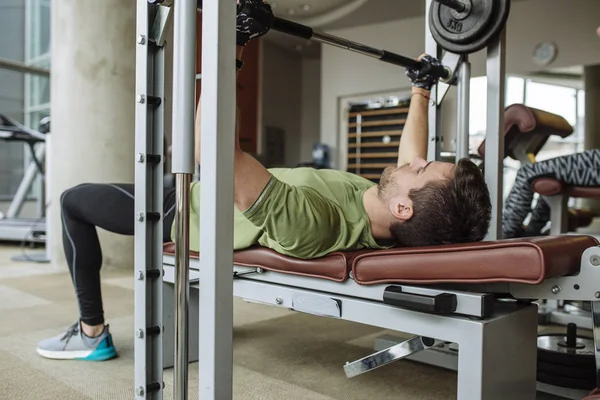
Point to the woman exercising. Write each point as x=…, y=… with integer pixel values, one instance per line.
x=298, y=212
x=581, y=169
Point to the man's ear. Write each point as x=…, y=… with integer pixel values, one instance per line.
x=402, y=210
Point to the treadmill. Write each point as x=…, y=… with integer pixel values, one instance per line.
x=13, y=227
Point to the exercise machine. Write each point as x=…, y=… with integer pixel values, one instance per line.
x=14, y=227
x=482, y=301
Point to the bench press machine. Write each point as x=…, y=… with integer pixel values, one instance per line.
x=478, y=296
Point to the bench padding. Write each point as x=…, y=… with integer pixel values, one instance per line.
x=553, y=187
x=527, y=261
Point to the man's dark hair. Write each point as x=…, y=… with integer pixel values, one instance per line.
x=453, y=210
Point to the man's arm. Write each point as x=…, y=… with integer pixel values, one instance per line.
x=197, y=133
x=413, y=142
x=250, y=176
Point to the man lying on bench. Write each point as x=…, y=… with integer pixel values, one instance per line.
x=299, y=212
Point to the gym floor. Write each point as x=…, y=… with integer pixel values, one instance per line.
x=278, y=354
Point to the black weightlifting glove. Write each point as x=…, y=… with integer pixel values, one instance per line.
x=426, y=76
x=254, y=19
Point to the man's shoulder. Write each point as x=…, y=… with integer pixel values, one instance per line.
x=327, y=175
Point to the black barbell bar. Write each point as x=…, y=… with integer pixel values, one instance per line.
x=305, y=32
x=456, y=5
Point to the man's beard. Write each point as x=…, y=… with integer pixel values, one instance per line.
x=386, y=183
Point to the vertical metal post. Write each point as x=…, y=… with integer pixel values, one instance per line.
x=494, y=136
x=215, y=365
x=596, y=331
x=149, y=140
x=184, y=98
x=462, y=131
x=435, y=112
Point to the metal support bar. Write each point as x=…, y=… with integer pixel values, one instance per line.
x=184, y=100
x=149, y=140
x=494, y=136
x=462, y=131
x=559, y=213
x=596, y=325
x=182, y=289
x=389, y=355
x=218, y=104
x=434, y=146
x=21, y=67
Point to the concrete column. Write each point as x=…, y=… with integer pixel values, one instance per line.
x=92, y=83
x=591, y=78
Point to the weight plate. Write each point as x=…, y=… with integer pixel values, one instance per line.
x=549, y=350
x=468, y=34
x=571, y=383
x=466, y=29
x=566, y=371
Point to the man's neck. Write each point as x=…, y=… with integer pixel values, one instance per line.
x=377, y=213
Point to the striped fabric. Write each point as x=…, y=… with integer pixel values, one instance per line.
x=581, y=169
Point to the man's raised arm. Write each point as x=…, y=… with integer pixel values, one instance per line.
x=254, y=19
x=414, y=140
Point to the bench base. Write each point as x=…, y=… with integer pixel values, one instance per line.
x=497, y=358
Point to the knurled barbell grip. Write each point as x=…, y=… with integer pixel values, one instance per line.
x=453, y=4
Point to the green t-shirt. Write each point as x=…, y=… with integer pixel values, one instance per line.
x=302, y=212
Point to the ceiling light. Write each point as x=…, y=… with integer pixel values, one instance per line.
x=306, y=7
x=299, y=47
x=291, y=11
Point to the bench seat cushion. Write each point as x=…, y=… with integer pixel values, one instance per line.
x=528, y=261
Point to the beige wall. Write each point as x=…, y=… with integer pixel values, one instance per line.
x=570, y=24
x=281, y=86
x=311, y=107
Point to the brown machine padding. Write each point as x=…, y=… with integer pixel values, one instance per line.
x=515, y=260
x=527, y=261
x=553, y=187
x=334, y=266
x=539, y=125
x=520, y=119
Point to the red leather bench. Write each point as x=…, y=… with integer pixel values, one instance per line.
x=528, y=261
x=526, y=131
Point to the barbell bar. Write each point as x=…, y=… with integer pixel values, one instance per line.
x=305, y=32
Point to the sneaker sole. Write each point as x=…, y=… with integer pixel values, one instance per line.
x=87, y=355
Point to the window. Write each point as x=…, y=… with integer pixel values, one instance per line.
x=24, y=38
x=37, y=53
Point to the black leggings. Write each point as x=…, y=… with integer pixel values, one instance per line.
x=110, y=207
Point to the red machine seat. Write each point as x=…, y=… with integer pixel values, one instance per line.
x=529, y=261
x=553, y=187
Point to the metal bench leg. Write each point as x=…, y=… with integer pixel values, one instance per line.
x=559, y=216
x=596, y=326
x=495, y=365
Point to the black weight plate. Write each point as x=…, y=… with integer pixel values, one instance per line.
x=467, y=29
x=571, y=383
x=550, y=352
x=498, y=18
x=566, y=370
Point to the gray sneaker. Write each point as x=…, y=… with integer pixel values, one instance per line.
x=75, y=345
